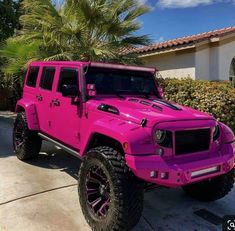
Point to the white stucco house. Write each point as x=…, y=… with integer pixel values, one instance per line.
x=207, y=56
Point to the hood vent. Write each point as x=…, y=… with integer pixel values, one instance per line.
x=133, y=100
x=146, y=103
x=108, y=108
x=157, y=107
x=167, y=104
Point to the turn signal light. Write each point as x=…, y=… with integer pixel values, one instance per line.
x=125, y=146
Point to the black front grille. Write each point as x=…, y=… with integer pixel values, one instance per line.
x=191, y=141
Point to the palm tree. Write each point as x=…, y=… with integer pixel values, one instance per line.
x=95, y=30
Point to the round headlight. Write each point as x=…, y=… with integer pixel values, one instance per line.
x=160, y=135
x=216, y=132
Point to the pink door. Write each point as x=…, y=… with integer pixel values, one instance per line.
x=66, y=116
x=43, y=98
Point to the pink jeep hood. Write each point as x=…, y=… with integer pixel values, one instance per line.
x=135, y=109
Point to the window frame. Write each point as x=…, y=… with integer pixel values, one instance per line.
x=37, y=77
x=136, y=74
x=53, y=81
x=58, y=82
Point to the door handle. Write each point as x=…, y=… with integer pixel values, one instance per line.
x=55, y=102
x=39, y=97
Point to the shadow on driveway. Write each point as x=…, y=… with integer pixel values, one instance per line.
x=50, y=157
x=53, y=158
x=6, y=125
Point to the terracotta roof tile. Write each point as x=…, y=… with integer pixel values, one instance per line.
x=182, y=41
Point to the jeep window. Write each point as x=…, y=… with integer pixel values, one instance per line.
x=32, y=76
x=121, y=82
x=47, y=78
x=68, y=76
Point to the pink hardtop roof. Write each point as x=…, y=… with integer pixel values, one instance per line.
x=97, y=64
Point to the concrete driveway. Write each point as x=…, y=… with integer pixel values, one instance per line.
x=42, y=195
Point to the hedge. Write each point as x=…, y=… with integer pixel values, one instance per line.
x=215, y=98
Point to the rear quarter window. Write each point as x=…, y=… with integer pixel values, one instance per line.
x=47, y=78
x=32, y=76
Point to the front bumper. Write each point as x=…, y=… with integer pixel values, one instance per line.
x=174, y=172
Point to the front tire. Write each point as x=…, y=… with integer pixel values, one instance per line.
x=26, y=143
x=111, y=197
x=213, y=189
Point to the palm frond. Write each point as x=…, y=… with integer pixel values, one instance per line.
x=75, y=30
x=18, y=55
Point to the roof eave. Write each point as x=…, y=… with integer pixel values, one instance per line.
x=166, y=50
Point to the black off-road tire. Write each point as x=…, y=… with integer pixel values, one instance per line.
x=213, y=189
x=126, y=191
x=31, y=142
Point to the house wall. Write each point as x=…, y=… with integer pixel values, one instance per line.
x=210, y=61
x=202, y=62
x=180, y=64
x=213, y=61
x=226, y=55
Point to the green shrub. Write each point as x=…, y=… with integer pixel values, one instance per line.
x=215, y=98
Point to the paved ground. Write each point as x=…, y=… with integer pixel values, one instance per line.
x=42, y=195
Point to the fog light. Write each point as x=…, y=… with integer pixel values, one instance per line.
x=153, y=174
x=164, y=175
x=160, y=151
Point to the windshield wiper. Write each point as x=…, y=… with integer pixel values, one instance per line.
x=145, y=95
x=120, y=96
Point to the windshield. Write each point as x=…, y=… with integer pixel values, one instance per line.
x=121, y=82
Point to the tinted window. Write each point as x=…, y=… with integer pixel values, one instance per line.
x=121, y=82
x=32, y=76
x=47, y=78
x=68, y=76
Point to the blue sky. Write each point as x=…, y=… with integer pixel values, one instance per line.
x=171, y=19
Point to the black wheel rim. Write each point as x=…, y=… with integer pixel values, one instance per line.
x=98, y=192
x=19, y=136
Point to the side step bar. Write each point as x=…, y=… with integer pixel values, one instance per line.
x=65, y=148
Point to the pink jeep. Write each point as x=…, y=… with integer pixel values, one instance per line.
x=129, y=138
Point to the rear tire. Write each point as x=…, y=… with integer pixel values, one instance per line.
x=26, y=143
x=213, y=189
x=123, y=197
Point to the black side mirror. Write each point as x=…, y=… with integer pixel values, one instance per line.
x=70, y=91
